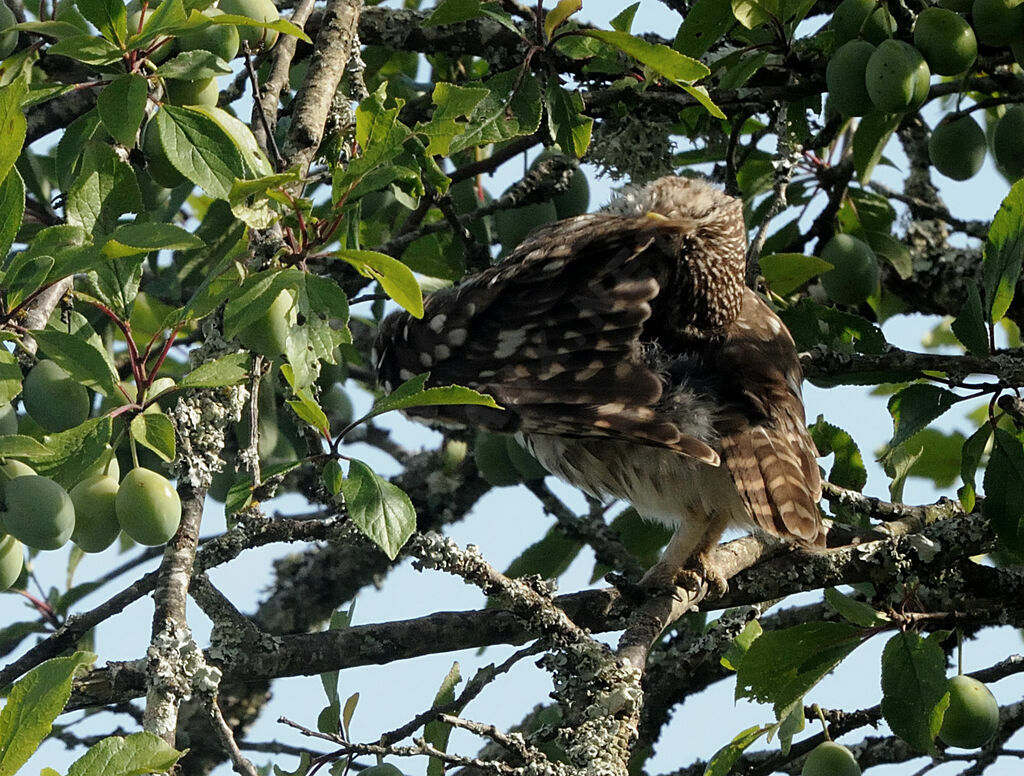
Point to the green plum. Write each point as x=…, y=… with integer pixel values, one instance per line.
x=972, y=716
x=147, y=507
x=38, y=512
x=854, y=276
x=96, y=525
x=54, y=399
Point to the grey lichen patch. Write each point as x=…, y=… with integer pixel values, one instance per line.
x=631, y=146
x=176, y=670
x=201, y=416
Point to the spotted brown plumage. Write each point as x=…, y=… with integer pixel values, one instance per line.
x=632, y=360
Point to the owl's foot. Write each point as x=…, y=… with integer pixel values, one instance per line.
x=698, y=583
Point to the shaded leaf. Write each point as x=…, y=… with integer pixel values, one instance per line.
x=381, y=510
x=1004, y=490
x=913, y=684
x=1004, y=250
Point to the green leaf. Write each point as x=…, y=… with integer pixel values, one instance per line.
x=721, y=762
x=232, y=369
x=898, y=462
x=382, y=511
x=411, y=393
x=916, y=406
x=913, y=684
x=848, y=470
x=1004, y=249
x=137, y=238
x=857, y=612
x=103, y=190
x=255, y=161
x=453, y=107
x=969, y=325
x=939, y=460
x=82, y=356
x=436, y=732
x=554, y=18
x=12, y=208
x=155, y=431
x=282, y=26
x=624, y=21
x=1004, y=490
x=782, y=666
x=13, y=125
x=88, y=49
x=813, y=324
x=741, y=645
x=678, y=68
x=134, y=755
x=394, y=277
x=32, y=705
x=10, y=376
x=549, y=558
x=786, y=272
x=706, y=22
x=566, y=122
x=18, y=446
x=109, y=16
x=970, y=457
x=116, y=282
x=512, y=108
x=193, y=65
x=199, y=149
x=869, y=142
x=453, y=12
x=304, y=405
x=69, y=454
x=121, y=107
x=754, y=13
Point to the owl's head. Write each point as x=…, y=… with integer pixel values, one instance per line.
x=693, y=200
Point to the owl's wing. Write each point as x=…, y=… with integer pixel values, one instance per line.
x=554, y=334
x=764, y=440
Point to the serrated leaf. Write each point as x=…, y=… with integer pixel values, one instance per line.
x=782, y=666
x=254, y=160
x=706, y=22
x=122, y=106
x=81, y=356
x=754, y=13
x=199, y=149
x=721, y=762
x=12, y=208
x=570, y=128
x=232, y=369
x=133, y=755
x=88, y=49
x=193, y=65
x=969, y=325
x=412, y=393
x=453, y=12
x=678, y=68
x=623, y=22
x=513, y=107
x=109, y=16
x=554, y=18
x=19, y=446
x=741, y=645
x=916, y=406
x=10, y=376
x=32, y=705
x=786, y=272
x=970, y=457
x=1004, y=490
x=12, y=126
x=913, y=684
x=453, y=107
x=69, y=454
x=104, y=189
x=857, y=612
x=304, y=405
x=138, y=238
x=282, y=26
x=1004, y=249
x=155, y=431
x=239, y=495
x=394, y=277
x=848, y=470
x=869, y=141
x=379, y=509
x=436, y=732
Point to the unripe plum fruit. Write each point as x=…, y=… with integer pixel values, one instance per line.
x=865, y=19
x=219, y=39
x=38, y=512
x=846, y=78
x=53, y=398
x=202, y=91
x=830, y=759
x=854, y=276
x=158, y=164
x=268, y=334
x=998, y=22
x=8, y=37
x=1007, y=147
x=972, y=716
x=513, y=225
x=945, y=40
x=260, y=10
x=8, y=420
x=897, y=77
x=12, y=558
x=96, y=525
x=957, y=148
x=147, y=507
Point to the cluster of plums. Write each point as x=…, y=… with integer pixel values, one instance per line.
x=37, y=512
x=872, y=71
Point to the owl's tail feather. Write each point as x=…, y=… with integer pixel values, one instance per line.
x=770, y=472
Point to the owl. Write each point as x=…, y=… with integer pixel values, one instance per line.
x=631, y=359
